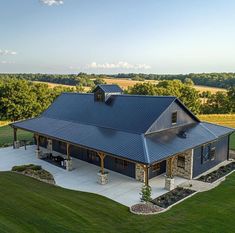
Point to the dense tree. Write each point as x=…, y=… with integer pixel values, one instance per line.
x=187, y=94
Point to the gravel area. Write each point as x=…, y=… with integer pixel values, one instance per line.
x=145, y=209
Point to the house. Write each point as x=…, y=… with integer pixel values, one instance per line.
x=135, y=135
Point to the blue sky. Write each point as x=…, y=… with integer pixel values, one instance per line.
x=109, y=36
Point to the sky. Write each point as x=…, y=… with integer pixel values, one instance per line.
x=110, y=36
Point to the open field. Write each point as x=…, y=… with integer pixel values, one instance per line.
x=6, y=135
x=222, y=119
x=125, y=83
x=28, y=205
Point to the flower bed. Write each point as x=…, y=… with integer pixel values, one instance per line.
x=36, y=172
x=145, y=209
x=172, y=197
x=220, y=172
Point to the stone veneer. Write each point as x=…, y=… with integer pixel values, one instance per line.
x=187, y=171
x=139, y=172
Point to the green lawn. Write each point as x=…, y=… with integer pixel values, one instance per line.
x=28, y=205
x=232, y=141
x=6, y=135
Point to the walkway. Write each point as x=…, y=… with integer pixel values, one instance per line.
x=120, y=188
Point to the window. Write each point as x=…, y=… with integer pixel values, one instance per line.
x=181, y=162
x=212, y=153
x=174, y=118
x=99, y=96
x=208, y=153
x=121, y=164
x=156, y=167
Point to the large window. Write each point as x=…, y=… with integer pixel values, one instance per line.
x=174, y=118
x=99, y=96
x=208, y=153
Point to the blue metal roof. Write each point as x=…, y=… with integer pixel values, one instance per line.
x=109, y=88
x=122, y=144
x=119, y=128
x=129, y=113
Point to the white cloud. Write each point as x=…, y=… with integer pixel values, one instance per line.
x=5, y=52
x=52, y=2
x=7, y=62
x=120, y=64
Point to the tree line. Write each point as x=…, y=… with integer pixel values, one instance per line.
x=221, y=80
x=199, y=103
x=22, y=99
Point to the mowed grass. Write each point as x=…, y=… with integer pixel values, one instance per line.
x=6, y=135
x=28, y=205
x=222, y=119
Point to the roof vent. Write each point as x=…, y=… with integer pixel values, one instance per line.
x=182, y=134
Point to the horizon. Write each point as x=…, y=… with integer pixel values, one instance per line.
x=109, y=37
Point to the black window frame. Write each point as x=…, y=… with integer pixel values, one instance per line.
x=181, y=161
x=174, y=118
x=208, y=153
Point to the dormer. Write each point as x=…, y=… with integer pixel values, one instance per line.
x=103, y=92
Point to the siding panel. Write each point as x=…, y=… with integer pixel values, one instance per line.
x=221, y=155
x=164, y=121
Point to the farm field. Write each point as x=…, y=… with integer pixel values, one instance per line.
x=125, y=83
x=28, y=205
x=222, y=119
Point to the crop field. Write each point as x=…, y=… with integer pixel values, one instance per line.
x=125, y=83
x=222, y=119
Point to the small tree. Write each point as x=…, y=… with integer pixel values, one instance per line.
x=146, y=193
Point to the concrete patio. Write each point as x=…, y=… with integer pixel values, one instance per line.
x=83, y=177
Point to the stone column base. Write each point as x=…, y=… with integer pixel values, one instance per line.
x=38, y=154
x=68, y=165
x=102, y=178
x=16, y=144
x=169, y=183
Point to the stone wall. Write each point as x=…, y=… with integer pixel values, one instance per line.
x=139, y=172
x=187, y=171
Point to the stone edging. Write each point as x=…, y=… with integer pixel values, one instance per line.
x=221, y=178
x=163, y=210
x=37, y=178
x=217, y=182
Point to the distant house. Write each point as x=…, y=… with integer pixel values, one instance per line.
x=135, y=135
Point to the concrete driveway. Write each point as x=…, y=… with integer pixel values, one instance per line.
x=120, y=188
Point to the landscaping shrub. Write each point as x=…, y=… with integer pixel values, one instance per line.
x=146, y=193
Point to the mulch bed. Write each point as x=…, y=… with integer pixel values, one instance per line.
x=35, y=171
x=145, y=209
x=172, y=197
x=219, y=173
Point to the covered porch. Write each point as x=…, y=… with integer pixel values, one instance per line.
x=121, y=188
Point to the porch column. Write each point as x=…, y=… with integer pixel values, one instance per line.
x=16, y=143
x=102, y=156
x=169, y=181
x=37, y=151
x=102, y=176
x=69, y=165
x=170, y=167
x=146, y=175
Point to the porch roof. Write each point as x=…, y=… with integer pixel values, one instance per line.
x=132, y=146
